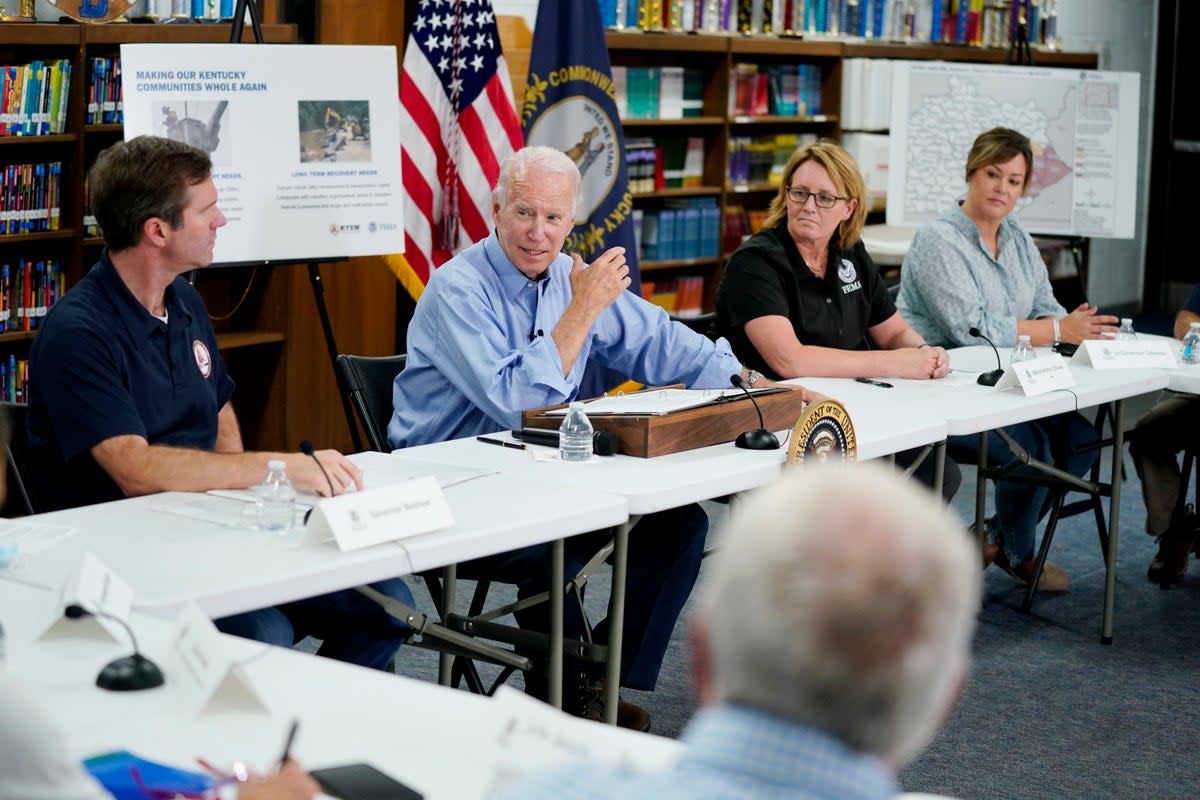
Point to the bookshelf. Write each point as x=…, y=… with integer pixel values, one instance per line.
x=727, y=130
x=249, y=306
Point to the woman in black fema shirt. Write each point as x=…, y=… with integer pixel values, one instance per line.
x=801, y=298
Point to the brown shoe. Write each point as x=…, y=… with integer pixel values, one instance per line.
x=1171, y=562
x=629, y=716
x=1054, y=578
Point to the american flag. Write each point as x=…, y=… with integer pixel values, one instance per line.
x=459, y=123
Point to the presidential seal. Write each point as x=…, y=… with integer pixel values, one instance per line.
x=823, y=433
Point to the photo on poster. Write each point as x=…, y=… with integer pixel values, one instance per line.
x=204, y=124
x=334, y=130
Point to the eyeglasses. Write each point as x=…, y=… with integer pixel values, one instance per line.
x=800, y=197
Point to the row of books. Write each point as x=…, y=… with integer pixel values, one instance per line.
x=34, y=98
x=27, y=291
x=658, y=92
x=104, y=92
x=681, y=229
x=665, y=162
x=683, y=297
x=761, y=159
x=788, y=90
x=740, y=223
x=29, y=197
x=959, y=21
x=14, y=379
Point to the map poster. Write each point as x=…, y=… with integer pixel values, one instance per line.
x=304, y=139
x=1082, y=124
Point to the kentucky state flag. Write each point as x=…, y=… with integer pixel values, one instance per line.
x=570, y=105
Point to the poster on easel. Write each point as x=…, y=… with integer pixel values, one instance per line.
x=304, y=139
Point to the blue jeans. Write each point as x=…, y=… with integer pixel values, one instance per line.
x=664, y=561
x=1019, y=504
x=351, y=627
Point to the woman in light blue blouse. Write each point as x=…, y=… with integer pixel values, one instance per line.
x=975, y=266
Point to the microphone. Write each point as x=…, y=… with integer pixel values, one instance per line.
x=129, y=674
x=604, y=443
x=993, y=377
x=307, y=448
x=761, y=439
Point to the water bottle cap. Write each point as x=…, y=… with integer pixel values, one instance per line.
x=1127, y=321
x=576, y=405
x=1195, y=325
x=1022, y=338
x=276, y=464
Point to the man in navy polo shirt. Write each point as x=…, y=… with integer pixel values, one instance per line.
x=129, y=395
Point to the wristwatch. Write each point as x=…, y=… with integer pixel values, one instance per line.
x=753, y=378
x=1057, y=330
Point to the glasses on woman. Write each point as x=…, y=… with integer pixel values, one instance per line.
x=823, y=200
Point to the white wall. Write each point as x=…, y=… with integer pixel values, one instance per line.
x=1124, y=33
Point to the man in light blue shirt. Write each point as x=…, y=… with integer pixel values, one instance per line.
x=509, y=324
x=830, y=641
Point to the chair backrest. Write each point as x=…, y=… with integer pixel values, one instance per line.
x=367, y=381
x=18, y=456
x=700, y=323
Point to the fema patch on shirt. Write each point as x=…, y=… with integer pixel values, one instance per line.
x=203, y=358
x=849, y=276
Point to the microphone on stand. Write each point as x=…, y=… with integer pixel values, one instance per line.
x=131, y=673
x=993, y=377
x=604, y=443
x=761, y=439
x=307, y=448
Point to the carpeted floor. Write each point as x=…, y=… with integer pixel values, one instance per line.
x=1049, y=712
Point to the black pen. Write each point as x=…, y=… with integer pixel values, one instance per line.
x=287, y=744
x=500, y=442
x=880, y=384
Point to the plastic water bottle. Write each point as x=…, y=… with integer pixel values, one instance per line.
x=575, y=435
x=1191, y=344
x=1023, y=351
x=276, y=500
x=1126, y=330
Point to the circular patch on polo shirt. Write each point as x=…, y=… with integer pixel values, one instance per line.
x=847, y=272
x=203, y=358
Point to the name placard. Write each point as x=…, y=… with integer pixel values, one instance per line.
x=372, y=516
x=97, y=589
x=1038, y=375
x=1127, y=353
x=204, y=672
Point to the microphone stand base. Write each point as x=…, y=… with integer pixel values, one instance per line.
x=761, y=439
x=990, y=378
x=130, y=674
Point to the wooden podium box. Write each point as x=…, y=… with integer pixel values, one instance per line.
x=652, y=435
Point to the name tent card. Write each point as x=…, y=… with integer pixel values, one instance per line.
x=1038, y=375
x=100, y=591
x=209, y=679
x=372, y=516
x=1127, y=353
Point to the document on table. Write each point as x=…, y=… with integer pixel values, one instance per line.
x=529, y=737
x=20, y=540
x=657, y=402
x=379, y=470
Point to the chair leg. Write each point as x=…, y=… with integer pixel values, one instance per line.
x=1043, y=551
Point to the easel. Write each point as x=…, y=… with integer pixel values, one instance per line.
x=241, y=10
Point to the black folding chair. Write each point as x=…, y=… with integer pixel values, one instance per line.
x=367, y=381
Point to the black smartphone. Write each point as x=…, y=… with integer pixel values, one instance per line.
x=362, y=782
x=1065, y=350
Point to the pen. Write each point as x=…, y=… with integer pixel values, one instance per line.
x=501, y=443
x=880, y=384
x=287, y=745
